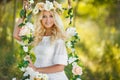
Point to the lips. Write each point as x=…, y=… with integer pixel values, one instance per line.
x=47, y=23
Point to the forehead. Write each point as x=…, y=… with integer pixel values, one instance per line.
x=47, y=13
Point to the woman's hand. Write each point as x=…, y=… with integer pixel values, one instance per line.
x=17, y=29
x=30, y=63
x=32, y=66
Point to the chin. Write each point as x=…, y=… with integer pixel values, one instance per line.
x=48, y=27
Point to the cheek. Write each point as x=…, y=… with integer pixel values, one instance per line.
x=52, y=20
x=43, y=21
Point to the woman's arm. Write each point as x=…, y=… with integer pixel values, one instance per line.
x=51, y=69
x=17, y=29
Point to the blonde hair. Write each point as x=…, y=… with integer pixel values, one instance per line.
x=57, y=28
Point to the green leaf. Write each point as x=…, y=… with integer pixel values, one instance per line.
x=67, y=17
x=26, y=77
x=22, y=13
x=24, y=38
x=29, y=17
x=22, y=24
x=30, y=39
x=25, y=63
x=64, y=8
x=70, y=11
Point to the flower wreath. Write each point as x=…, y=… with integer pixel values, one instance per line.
x=73, y=70
x=48, y=6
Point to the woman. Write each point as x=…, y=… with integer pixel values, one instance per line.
x=50, y=51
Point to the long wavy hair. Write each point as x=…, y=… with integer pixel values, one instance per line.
x=57, y=28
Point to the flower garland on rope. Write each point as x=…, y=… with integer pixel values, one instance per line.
x=73, y=70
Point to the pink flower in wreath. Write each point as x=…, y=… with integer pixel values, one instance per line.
x=77, y=70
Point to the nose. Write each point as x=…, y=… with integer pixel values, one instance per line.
x=48, y=19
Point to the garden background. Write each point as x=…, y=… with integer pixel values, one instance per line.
x=98, y=25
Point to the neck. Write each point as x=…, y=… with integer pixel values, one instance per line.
x=48, y=32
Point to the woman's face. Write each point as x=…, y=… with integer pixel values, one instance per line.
x=47, y=19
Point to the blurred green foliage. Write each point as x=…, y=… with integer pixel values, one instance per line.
x=97, y=22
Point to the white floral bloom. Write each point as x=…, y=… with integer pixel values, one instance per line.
x=40, y=6
x=69, y=44
x=45, y=77
x=25, y=48
x=23, y=69
x=35, y=10
x=57, y=5
x=27, y=79
x=29, y=70
x=39, y=75
x=71, y=32
x=71, y=59
x=48, y=6
x=25, y=74
x=74, y=64
x=14, y=78
x=60, y=6
x=73, y=50
x=30, y=26
x=31, y=1
x=78, y=79
x=26, y=29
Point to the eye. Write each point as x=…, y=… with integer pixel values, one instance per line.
x=51, y=16
x=44, y=16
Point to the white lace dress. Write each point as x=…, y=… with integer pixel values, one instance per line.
x=48, y=55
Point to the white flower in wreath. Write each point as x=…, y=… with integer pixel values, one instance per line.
x=27, y=79
x=69, y=44
x=38, y=75
x=72, y=59
x=41, y=76
x=48, y=6
x=74, y=64
x=57, y=5
x=30, y=26
x=35, y=10
x=73, y=50
x=71, y=32
x=25, y=74
x=45, y=77
x=23, y=69
x=78, y=79
x=77, y=70
x=31, y=1
x=40, y=6
x=28, y=71
x=14, y=78
x=26, y=29
x=25, y=48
